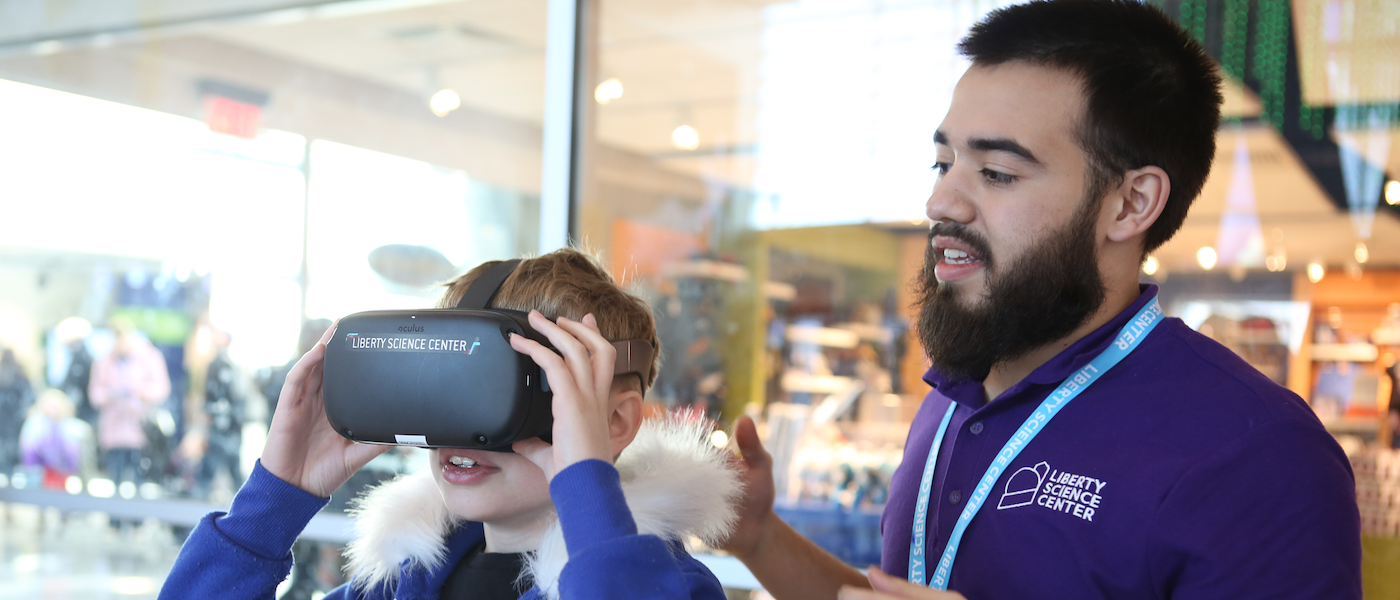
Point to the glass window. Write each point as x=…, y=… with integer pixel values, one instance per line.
x=205, y=184
x=758, y=171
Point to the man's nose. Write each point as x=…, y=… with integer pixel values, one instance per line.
x=948, y=202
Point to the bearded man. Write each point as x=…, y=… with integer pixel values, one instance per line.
x=1076, y=442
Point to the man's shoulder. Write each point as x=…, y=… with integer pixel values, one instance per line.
x=1202, y=374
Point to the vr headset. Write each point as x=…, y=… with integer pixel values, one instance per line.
x=446, y=378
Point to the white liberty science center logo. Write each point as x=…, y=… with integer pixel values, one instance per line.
x=1056, y=490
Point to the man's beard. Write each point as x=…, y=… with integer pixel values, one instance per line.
x=1042, y=296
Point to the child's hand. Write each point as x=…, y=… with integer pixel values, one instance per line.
x=582, y=382
x=302, y=449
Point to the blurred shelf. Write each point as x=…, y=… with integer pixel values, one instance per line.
x=829, y=337
x=1344, y=352
x=815, y=384
x=1353, y=424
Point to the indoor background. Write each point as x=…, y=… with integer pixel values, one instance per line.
x=221, y=177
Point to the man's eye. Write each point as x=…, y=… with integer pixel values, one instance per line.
x=998, y=178
x=942, y=168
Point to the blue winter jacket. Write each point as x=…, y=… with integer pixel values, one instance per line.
x=246, y=553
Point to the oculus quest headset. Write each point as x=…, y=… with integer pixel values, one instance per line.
x=446, y=378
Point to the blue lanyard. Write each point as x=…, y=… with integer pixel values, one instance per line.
x=1128, y=339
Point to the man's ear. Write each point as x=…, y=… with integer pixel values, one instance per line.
x=1137, y=203
x=625, y=420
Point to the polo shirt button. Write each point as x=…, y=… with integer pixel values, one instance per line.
x=976, y=428
x=955, y=497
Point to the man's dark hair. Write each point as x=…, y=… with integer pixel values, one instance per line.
x=1152, y=93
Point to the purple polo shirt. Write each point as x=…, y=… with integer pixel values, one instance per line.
x=1181, y=473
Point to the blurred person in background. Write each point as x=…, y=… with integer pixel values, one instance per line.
x=73, y=332
x=125, y=386
x=56, y=441
x=270, y=380
x=16, y=395
x=225, y=408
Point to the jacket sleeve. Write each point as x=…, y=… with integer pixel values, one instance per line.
x=607, y=557
x=1272, y=515
x=245, y=553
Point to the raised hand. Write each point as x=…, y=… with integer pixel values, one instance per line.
x=756, y=507
x=302, y=449
x=581, y=376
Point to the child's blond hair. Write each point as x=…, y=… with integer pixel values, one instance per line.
x=570, y=283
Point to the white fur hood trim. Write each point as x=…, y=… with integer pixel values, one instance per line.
x=676, y=483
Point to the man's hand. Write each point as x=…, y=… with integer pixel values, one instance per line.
x=788, y=565
x=893, y=588
x=581, y=376
x=302, y=449
x=756, y=507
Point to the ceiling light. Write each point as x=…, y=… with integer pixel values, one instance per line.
x=685, y=138
x=1362, y=253
x=1392, y=193
x=1206, y=256
x=1315, y=272
x=609, y=90
x=1149, y=266
x=445, y=101
x=1354, y=271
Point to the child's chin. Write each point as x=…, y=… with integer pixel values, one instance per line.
x=481, y=501
x=486, y=509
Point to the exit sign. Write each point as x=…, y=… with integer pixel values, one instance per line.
x=232, y=109
x=224, y=115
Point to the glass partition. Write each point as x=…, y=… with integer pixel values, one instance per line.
x=199, y=187
x=758, y=171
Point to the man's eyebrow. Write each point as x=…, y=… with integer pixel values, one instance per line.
x=940, y=138
x=1007, y=145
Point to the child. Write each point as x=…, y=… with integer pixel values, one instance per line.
x=54, y=440
x=483, y=525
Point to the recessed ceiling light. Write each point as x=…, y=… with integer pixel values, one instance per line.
x=607, y=91
x=685, y=138
x=445, y=101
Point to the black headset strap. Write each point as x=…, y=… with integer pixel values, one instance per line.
x=482, y=291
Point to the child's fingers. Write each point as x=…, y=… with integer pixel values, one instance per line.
x=565, y=412
x=575, y=353
x=294, y=389
x=560, y=379
x=326, y=337
x=536, y=451
x=603, y=354
x=358, y=455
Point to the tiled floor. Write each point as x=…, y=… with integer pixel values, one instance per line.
x=80, y=556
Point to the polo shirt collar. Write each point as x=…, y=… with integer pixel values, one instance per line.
x=1056, y=369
